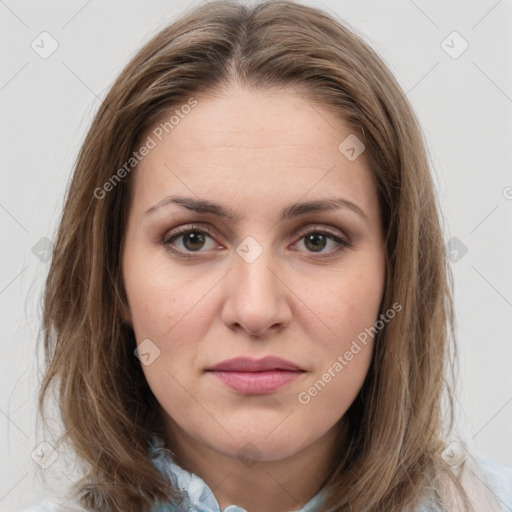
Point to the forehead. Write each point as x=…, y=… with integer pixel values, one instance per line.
x=242, y=118
x=253, y=141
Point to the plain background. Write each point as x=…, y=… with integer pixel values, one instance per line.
x=464, y=105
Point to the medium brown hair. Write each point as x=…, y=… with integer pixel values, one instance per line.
x=397, y=425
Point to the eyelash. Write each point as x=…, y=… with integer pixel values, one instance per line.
x=168, y=238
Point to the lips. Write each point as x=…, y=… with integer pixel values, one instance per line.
x=256, y=376
x=246, y=364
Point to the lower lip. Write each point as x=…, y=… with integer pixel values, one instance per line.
x=256, y=383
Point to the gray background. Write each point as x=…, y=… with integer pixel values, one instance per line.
x=465, y=108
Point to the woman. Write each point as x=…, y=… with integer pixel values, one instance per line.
x=249, y=305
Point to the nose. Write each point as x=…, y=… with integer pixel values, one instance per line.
x=257, y=297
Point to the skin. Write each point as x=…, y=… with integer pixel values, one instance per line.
x=255, y=152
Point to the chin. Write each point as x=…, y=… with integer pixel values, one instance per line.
x=251, y=441
x=252, y=449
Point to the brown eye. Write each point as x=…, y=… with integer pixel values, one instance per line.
x=190, y=241
x=193, y=240
x=316, y=241
x=187, y=240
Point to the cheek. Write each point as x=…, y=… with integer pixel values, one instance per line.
x=166, y=308
x=349, y=302
x=171, y=307
x=341, y=358
x=348, y=308
x=160, y=296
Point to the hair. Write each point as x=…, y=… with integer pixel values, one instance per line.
x=399, y=420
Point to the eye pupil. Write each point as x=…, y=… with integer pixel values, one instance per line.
x=316, y=245
x=194, y=238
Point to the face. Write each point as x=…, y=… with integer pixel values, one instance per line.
x=232, y=269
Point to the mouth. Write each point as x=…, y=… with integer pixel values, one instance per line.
x=256, y=376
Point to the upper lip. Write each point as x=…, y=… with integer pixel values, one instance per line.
x=246, y=364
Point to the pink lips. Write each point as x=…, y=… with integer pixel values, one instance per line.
x=256, y=376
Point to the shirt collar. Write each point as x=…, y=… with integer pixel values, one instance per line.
x=195, y=494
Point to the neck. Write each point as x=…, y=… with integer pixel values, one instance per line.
x=258, y=485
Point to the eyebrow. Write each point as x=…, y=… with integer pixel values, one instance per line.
x=289, y=212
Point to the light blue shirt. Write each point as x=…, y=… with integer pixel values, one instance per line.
x=198, y=497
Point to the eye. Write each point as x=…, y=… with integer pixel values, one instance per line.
x=193, y=238
x=318, y=239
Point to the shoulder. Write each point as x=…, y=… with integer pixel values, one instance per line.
x=44, y=506
x=499, y=478
x=52, y=506
x=487, y=483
